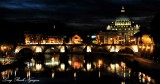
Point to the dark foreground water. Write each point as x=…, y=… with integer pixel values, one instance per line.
x=75, y=69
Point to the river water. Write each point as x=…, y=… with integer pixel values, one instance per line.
x=75, y=69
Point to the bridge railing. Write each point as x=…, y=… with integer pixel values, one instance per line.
x=36, y=44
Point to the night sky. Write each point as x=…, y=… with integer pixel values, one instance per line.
x=76, y=14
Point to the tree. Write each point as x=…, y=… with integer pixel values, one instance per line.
x=155, y=28
x=155, y=33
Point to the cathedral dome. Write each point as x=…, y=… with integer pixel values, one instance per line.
x=122, y=18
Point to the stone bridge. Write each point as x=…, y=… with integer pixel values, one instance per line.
x=75, y=48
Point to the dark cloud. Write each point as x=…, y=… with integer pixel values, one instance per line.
x=77, y=13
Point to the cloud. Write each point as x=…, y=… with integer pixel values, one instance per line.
x=21, y=5
x=88, y=13
x=130, y=2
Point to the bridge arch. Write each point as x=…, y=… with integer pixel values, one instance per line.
x=26, y=53
x=51, y=49
x=126, y=49
x=76, y=48
x=19, y=48
x=38, y=49
x=100, y=49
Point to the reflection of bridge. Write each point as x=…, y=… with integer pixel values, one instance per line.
x=75, y=48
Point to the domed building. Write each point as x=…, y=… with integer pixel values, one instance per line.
x=121, y=31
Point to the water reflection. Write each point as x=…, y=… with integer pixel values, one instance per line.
x=145, y=78
x=7, y=60
x=77, y=67
x=89, y=68
x=6, y=74
x=34, y=65
x=53, y=73
x=51, y=60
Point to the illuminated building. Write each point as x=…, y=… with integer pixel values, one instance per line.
x=121, y=31
x=33, y=38
x=42, y=39
x=50, y=39
x=76, y=39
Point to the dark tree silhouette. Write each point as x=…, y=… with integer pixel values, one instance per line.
x=155, y=28
x=142, y=30
x=156, y=35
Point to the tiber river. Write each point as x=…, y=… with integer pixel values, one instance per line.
x=75, y=69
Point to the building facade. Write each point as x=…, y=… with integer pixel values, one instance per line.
x=121, y=31
x=50, y=39
x=43, y=39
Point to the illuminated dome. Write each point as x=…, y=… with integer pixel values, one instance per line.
x=122, y=18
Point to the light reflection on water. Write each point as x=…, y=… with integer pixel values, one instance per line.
x=77, y=66
x=7, y=60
